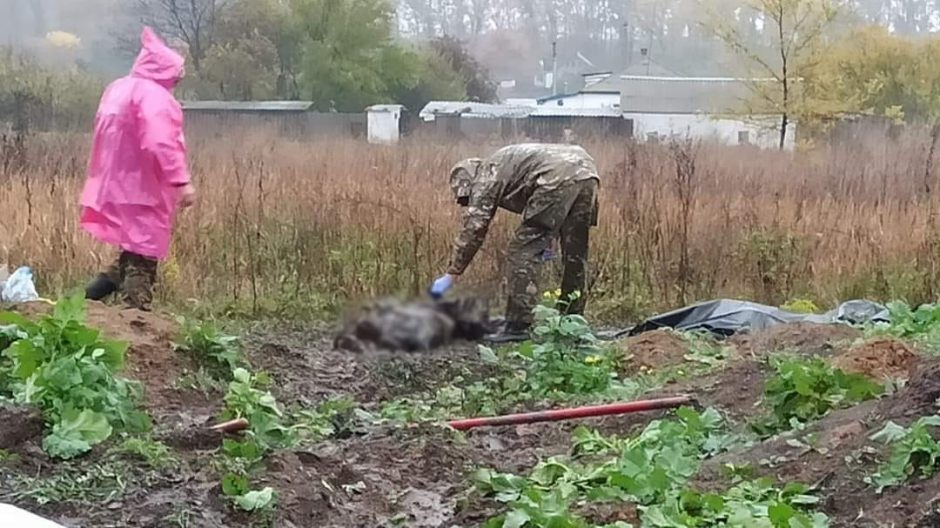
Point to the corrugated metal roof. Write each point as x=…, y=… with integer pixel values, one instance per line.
x=521, y=101
x=564, y=111
x=468, y=109
x=247, y=106
x=613, y=83
x=684, y=95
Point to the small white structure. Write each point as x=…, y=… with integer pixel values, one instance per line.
x=383, y=123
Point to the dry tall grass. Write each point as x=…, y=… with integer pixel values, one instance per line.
x=292, y=228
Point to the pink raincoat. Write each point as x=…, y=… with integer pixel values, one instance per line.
x=138, y=159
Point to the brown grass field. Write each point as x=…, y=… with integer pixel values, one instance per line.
x=288, y=228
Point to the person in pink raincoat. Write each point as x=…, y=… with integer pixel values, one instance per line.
x=138, y=173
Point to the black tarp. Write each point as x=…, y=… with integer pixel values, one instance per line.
x=725, y=317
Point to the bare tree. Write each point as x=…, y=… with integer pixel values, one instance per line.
x=192, y=21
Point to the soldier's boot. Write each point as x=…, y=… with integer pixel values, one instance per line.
x=106, y=283
x=140, y=275
x=575, y=238
x=525, y=259
x=101, y=287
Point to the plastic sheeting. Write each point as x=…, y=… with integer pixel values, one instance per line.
x=725, y=317
x=14, y=517
x=19, y=287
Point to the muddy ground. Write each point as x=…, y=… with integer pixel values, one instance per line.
x=417, y=476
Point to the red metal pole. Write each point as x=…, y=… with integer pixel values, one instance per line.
x=570, y=414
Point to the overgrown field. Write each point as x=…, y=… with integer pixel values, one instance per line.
x=799, y=426
x=296, y=228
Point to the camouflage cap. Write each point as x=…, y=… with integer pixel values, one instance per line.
x=462, y=176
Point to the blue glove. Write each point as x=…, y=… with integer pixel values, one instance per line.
x=441, y=285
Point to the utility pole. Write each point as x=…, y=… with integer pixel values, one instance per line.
x=554, y=67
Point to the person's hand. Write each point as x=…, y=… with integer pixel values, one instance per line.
x=187, y=196
x=441, y=285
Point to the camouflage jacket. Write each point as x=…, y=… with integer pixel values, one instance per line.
x=507, y=179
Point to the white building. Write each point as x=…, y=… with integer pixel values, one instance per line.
x=661, y=104
x=595, y=96
x=710, y=108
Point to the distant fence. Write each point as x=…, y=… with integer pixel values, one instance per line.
x=545, y=128
x=201, y=123
x=303, y=124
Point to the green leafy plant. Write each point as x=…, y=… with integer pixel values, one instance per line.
x=803, y=390
x=238, y=460
x=921, y=324
x=909, y=322
x=213, y=349
x=76, y=432
x=237, y=488
x=255, y=501
x=245, y=399
x=914, y=451
x=566, y=357
x=327, y=419
x=68, y=370
x=756, y=503
x=645, y=469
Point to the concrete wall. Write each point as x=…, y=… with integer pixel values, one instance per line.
x=764, y=134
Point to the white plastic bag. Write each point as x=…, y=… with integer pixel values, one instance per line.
x=12, y=516
x=20, y=288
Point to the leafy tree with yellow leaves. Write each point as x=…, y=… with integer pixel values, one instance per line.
x=797, y=31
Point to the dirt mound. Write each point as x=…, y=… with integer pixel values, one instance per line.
x=881, y=359
x=919, y=397
x=657, y=349
x=735, y=389
x=19, y=425
x=150, y=358
x=836, y=454
x=803, y=338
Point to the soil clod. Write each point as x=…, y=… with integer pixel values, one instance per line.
x=19, y=424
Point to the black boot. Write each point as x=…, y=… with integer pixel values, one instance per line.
x=100, y=288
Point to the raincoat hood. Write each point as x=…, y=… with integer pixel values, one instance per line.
x=156, y=61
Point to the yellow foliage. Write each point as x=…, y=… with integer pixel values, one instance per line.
x=63, y=39
x=874, y=72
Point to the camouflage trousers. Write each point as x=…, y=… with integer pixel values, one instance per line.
x=135, y=276
x=568, y=213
